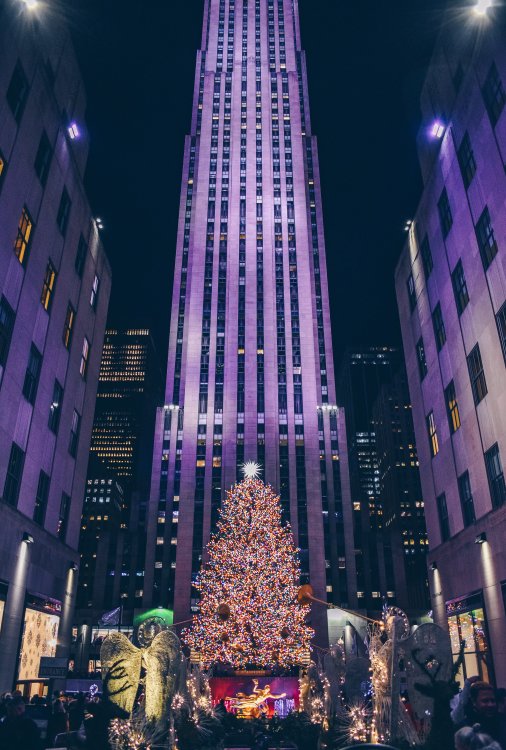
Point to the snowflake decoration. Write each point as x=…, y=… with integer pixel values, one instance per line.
x=251, y=470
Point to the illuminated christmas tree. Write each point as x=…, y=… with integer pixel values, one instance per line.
x=249, y=612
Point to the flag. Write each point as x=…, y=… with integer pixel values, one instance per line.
x=110, y=619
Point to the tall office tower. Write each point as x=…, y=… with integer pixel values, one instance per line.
x=119, y=472
x=362, y=373
x=250, y=372
x=451, y=292
x=404, y=546
x=54, y=292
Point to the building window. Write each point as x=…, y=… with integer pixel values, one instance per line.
x=48, y=286
x=444, y=519
x=82, y=250
x=411, y=292
x=55, y=408
x=445, y=213
x=466, y=499
x=495, y=476
x=43, y=159
x=94, y=292
x=3, y=169
x=460, y=287
x=439, y=327
x=486, y=239
x=74, y=433
x=39, y=513
x=69, y=326
x=477, y=375
x=500, y=320
x=426, y=254
x=433, y=439
x=493, y=94
x=420, y=355
x=466, y=623
x=452, y=407
x=83, y=367
x=14, y=473
x=7, y=317
x=62, y=217
x=22, y=244
x=63, y=518
x=17, y=93
x=32, y=375
x=467, y=161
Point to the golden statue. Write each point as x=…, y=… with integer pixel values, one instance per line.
x=254, y=705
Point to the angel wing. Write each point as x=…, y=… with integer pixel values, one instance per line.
x=162, y=661
x=121, y=670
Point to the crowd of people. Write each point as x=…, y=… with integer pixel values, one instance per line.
x=77, y=721
x=81, y=721
x=479, y=715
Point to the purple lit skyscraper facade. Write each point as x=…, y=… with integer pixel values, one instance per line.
x=250, y=371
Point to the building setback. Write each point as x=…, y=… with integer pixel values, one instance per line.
x=250, y=370
x=451, y=292
x=54, y=292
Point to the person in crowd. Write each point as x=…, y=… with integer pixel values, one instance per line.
x=58, y=719
x=500, y=696
x=472, y=738
x=481, y=708
x=17, y=731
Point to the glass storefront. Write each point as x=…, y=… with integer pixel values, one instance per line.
x=467, y=622
x=40, y=634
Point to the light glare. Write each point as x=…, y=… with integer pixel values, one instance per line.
x=482, y=6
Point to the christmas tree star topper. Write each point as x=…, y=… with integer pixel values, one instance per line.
x=251, y=470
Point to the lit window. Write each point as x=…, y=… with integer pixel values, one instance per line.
x=68, y=327
x=84, y=357
x=3, y=169
x=433, y=439
x=452, y=407
x=22, y=243
x=48, y=286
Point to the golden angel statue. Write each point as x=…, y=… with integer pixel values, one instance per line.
x=254, y=705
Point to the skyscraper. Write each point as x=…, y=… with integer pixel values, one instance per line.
x=112, y=543
x=250, y=372
x=54, y=292
x=451, y=293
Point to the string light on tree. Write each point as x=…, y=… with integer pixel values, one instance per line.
x=249, y=612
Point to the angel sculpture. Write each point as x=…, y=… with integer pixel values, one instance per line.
x=122, y=666
x=252, y=706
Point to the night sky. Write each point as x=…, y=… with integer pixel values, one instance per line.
x=366, y=61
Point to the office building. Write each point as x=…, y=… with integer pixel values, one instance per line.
x=403, y=543
x=54, y=292
x=113, y=543
x=250, y=371
x=451, y=292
